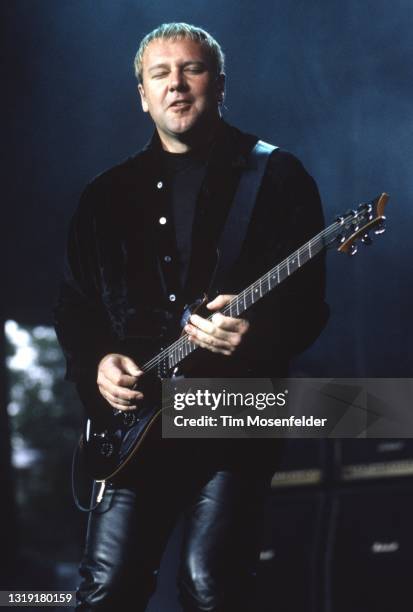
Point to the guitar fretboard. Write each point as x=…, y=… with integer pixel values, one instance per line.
x=170, y=357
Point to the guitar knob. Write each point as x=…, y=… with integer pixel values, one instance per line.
x=366, y=240
x=379, y=230
x=353, y=249
x=129, y=418
x=106, y=449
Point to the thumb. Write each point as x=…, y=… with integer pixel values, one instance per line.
x=130, y=367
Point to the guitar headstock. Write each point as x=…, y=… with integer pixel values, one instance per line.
x=357, y=225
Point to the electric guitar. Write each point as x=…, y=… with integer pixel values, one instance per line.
x=111, y=440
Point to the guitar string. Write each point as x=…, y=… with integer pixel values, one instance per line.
x=177, y=345
x=282, y=266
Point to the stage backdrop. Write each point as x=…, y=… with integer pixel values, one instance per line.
x=328, y=80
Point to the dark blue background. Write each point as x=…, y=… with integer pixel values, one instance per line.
x=330, y=81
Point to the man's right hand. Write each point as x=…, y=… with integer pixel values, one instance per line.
x=116, y=378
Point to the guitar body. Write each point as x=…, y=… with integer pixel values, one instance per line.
x=107, y=445
x=112, y=438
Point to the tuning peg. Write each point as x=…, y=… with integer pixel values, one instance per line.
x=366, y=239
x=353, y=249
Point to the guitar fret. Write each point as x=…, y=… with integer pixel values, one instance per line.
x=273, y=278
x=173, y=355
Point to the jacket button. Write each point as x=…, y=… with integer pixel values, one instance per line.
x=159, y=185
x=162, y=220
x=172, y=297
x=167, y=258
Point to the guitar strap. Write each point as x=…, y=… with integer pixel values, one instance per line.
x=236, y=226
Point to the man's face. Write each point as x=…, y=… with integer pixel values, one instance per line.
x=179, y=89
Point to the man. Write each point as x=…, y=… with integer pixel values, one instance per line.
x=142, y=244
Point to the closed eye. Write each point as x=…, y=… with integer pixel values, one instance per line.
x=195, y=69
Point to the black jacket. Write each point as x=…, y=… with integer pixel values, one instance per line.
x=121, y=293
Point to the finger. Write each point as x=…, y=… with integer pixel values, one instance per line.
x=206, y=326
x=230, y=338
x=210, y=347
x=207, y=340
x=220, y=301
x=115, y=366
x=118, y=392
x=230, y=324
x=117, y=403
x=115, y=375
x=114, y=397
x=130, y=367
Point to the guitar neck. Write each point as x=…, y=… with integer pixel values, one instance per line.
x=172, y=356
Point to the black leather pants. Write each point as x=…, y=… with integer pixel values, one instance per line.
x=127, y=534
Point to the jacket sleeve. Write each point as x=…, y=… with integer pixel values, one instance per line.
x=82, y=325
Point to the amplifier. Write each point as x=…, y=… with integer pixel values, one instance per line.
x=302, y=463
x=289, y=576
x=369, y=552
x=371, y=459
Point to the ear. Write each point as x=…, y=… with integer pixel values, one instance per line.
x=220, y=85
x=144, y=103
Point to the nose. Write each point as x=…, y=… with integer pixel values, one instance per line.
x=177, y=81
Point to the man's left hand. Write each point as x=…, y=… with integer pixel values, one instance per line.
x=221, y=334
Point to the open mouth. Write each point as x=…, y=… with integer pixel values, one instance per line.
x=180, y=104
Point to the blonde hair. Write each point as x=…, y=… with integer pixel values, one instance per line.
x=176, y=31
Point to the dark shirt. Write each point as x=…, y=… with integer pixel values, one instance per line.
x=185, y=173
